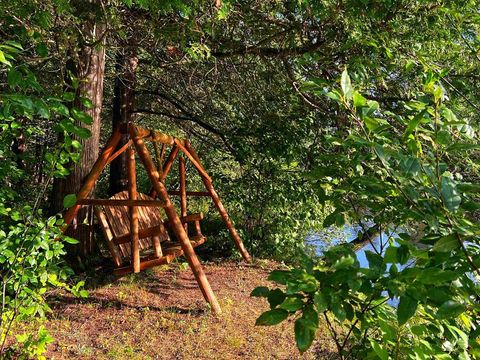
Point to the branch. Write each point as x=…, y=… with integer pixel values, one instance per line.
x=270, y=52
x=195, y=120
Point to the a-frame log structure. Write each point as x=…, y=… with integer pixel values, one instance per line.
x=136, y=202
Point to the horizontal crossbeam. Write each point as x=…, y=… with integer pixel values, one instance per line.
x=190, y=193
x=111, y=202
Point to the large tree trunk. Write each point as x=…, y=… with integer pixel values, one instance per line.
x=123, y=102
x=88, y=65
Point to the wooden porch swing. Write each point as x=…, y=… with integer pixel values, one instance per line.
x=132, y=222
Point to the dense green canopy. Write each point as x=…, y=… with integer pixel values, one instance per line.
x=308, y=114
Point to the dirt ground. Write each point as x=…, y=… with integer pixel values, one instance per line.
x=161, y=314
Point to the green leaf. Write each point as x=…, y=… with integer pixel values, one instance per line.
x=42, y=49
x=14, y=77
x=446, y=243
x=60, y=109
x=304, y=334
x=275, y=297
x=260, y=291
x=279, y=276
x=81, y=116
x=70, y=240
x=469, y=188
x=410, y=165
x=463, y=147
x=375, y=262
x=68, y=96
x=292, y=304
x=413, y=124
x=359, y=100
x=320, y=301
x=444, y=137
x=371, y=123
x=450, y=195
x=339, y=311
x=69, y=200
x=380, y=351
x=406, y=309
x=272, y=317
x=450, y=309
x=333, y=95
x=437, y=276
x=3, y=59
x=82, y=133
x=344, y=262
x=346, y=85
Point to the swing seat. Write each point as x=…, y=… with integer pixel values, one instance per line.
x=154, y=242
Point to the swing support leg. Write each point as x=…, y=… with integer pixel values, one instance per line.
x=183, y=189
x=218, y=204
x=133, y=210
x=174, y=220
x=92, y=177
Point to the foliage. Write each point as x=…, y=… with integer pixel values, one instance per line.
x=246, y=80
x=400, y=171
x=31, y=250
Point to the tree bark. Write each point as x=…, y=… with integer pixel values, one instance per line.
x=123, y=102
x=88, y=66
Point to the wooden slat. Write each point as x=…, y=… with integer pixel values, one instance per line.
x=142, y=233
x=126, y=202
x=107, y=233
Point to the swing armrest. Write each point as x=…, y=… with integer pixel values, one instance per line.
x=191, y=217
x=187, y=219
x=196, y=218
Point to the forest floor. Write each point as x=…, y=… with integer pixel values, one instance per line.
x=161, y=314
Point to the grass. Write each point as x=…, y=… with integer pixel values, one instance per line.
x=161, y=314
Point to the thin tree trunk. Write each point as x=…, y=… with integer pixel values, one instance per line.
x=88, y=65
x=123, y=102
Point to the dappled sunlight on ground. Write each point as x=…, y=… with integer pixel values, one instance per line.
x=161, y=314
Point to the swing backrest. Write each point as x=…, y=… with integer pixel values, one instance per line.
x=118, y=222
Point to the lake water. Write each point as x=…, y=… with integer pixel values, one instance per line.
x=321, y=241
x=348, y=233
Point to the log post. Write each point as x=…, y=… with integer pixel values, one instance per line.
x=166, y=168
x=183, y=189
x=92, y=177
x=193, y=159
x=168, y=163
x=218, y=203
x=133, y=210
x=157, y=247
x=175, y=223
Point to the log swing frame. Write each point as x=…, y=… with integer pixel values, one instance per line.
x=157, y=175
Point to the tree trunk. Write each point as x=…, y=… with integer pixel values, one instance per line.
x=88, y=65
x=123, y=102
